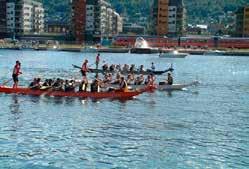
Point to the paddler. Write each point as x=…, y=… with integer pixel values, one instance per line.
x=97, y=60
x=141, y=69
x=139, y=80
x=84, y=69
x=118, y=79
x=150, y=80
x=153, y=66
x=123, y=85
x=35, y=84
x=169, y=79
x=95, y=85
x=16, y=73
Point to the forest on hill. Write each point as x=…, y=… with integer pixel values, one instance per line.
x=196, y=10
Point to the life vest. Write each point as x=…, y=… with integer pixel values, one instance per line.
x=97, y=59
x=16, y=70
x=84, y=67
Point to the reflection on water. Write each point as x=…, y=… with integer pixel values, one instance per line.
x=15, y=105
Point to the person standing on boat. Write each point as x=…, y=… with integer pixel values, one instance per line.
x=97, y=60
x=84, y=69
x=153, y=66
x=16, y=73
x=169, y=79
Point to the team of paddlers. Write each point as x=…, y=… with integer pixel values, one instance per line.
x=85, y=85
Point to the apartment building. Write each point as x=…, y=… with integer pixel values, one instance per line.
x=11, y=16
x=160, y=17
x=98, y=21
x=177, y=21
x=24, y=16
x=38, y=12
x=3, y=22
x=117, y=23
x=79, y=19
x=168, y=18
x=242, y=22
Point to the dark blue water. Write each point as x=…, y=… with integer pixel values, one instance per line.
x=203, y=127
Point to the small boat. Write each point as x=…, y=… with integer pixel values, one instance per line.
x=147, y=72
x=166, y=87
x=143, y=50
x=173, y=54
x=92, y=95
x=161, y=87
x=90, y=49
x=214, y=52
x=142, y=47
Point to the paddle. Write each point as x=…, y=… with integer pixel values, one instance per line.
x=7, y=81
x=171, y=69
x=75, y=66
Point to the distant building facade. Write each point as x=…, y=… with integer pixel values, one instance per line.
x=25, y=16
x=79, y=19
x=3, y=22
x=98, y=20
x=133, y=29
x=160, y=17
x=168, y=18
x=18, y=17
x=242, y=22
x=56, y=27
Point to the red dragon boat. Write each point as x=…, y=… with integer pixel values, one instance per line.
x=92, y=95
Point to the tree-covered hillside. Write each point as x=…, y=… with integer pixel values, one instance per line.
x=197, y=10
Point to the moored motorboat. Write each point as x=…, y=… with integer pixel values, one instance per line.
x=90, y=49
x=214, y=52
x=173, y=54
x=93, y=95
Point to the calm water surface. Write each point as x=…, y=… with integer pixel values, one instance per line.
x=203, y=127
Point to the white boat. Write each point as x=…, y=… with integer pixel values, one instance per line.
x=173, y=54
x=164, y=87
x=214, y=52
x=167, y=87
x=90, y=49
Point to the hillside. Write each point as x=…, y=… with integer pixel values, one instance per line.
x=196, y=10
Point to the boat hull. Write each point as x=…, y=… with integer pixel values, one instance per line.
x=143, y=50
x=176, y=86
x=148, y=72
x=164, y=87
x=172, y=55
x=93, y=95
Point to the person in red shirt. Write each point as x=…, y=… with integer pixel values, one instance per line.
x=84, y=69
x=16, y=73
x=97, y=60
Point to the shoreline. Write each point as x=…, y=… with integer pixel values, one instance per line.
x=78, y=48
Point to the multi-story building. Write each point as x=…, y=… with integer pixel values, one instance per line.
x=38, y=22
x=79, y=19
x=57, y=27
x=160, y=17
x=24, y=16
x=178, y=17
x=242, y=22
x=11, y=16
x=117, y=23
x=168, y=18
x=3, y=22
x=98, y=20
